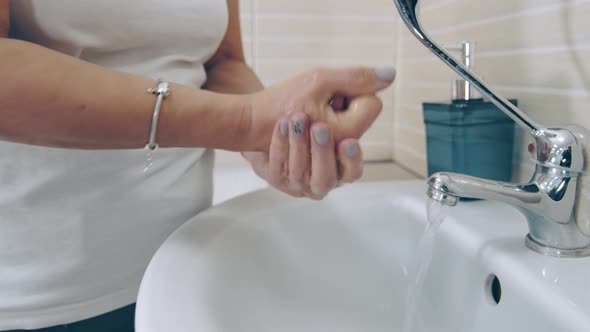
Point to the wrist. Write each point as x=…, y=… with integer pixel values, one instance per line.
x=243, y=130
x=200, y=118
x=263, y=120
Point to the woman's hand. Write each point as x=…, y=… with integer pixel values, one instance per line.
x=310, y=94
x=302, y=160
x=311, y=148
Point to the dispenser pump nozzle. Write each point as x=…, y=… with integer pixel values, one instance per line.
x=461, y=88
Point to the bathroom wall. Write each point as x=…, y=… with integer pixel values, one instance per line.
x=537, y=51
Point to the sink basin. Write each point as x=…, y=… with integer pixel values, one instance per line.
x=268, y=262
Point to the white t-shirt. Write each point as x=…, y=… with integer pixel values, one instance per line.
x=78, y=228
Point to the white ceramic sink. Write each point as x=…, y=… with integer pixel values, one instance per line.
x=267, y=262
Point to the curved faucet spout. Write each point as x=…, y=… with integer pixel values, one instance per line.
x=547, y=203
x=447, y=187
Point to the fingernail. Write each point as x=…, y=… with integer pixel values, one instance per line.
x=385, y=74
x=321, y=135
x=299, y=124
x=284, y=128
x=351, y=149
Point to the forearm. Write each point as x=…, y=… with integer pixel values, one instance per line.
x=52, y=99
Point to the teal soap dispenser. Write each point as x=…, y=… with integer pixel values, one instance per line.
x=468, y=135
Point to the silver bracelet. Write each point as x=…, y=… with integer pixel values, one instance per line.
x=161, y=91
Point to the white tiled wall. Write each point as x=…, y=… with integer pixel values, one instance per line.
x=537, y=51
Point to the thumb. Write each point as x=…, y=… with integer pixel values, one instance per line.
x=359, y=116
x=353, y=81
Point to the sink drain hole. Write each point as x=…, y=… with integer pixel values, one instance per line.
x=493, y=289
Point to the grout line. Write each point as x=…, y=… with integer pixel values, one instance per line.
x=324, y=39
x=381, y=123
x=535, y=50
x=374, y=150
x=418, y=84
x=377, y=161
x=411, y=151
x=375, y=143
x=321, y=59
x=319, y=17
x=526, y=12
x=409, y=170
x=432, y=6
x=424, y=84
x=506, y=52
x=410, y=107
x=542, y=90
x=412, y=129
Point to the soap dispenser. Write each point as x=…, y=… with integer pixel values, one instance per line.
x=468, y=135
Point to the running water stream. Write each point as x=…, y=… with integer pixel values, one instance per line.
x=436, y=212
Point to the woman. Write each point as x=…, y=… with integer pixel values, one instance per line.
x=79, y=218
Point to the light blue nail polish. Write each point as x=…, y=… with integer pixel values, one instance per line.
x=299, y=125
x=321, y=135
x=385, y=74
x=284, y=128
x=351, y=149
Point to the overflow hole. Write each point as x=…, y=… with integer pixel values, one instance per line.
x=493, y=289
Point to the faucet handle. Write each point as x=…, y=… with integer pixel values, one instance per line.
x=582, y=202
x=560, y=148
x=583, y=138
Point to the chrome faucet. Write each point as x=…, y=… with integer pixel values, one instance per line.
x=559, y=222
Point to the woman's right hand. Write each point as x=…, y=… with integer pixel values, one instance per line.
x=310, y=93
x=308, y=163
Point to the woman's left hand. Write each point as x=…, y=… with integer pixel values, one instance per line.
x=303, y=161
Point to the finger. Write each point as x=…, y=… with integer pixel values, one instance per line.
x=259, y=162
x=278, y=154
x=299, y=157
x=359, y=116
x=351, y=160
x=353, y=81
x=323, y=161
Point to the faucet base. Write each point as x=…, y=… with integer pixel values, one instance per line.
x=555, y=252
